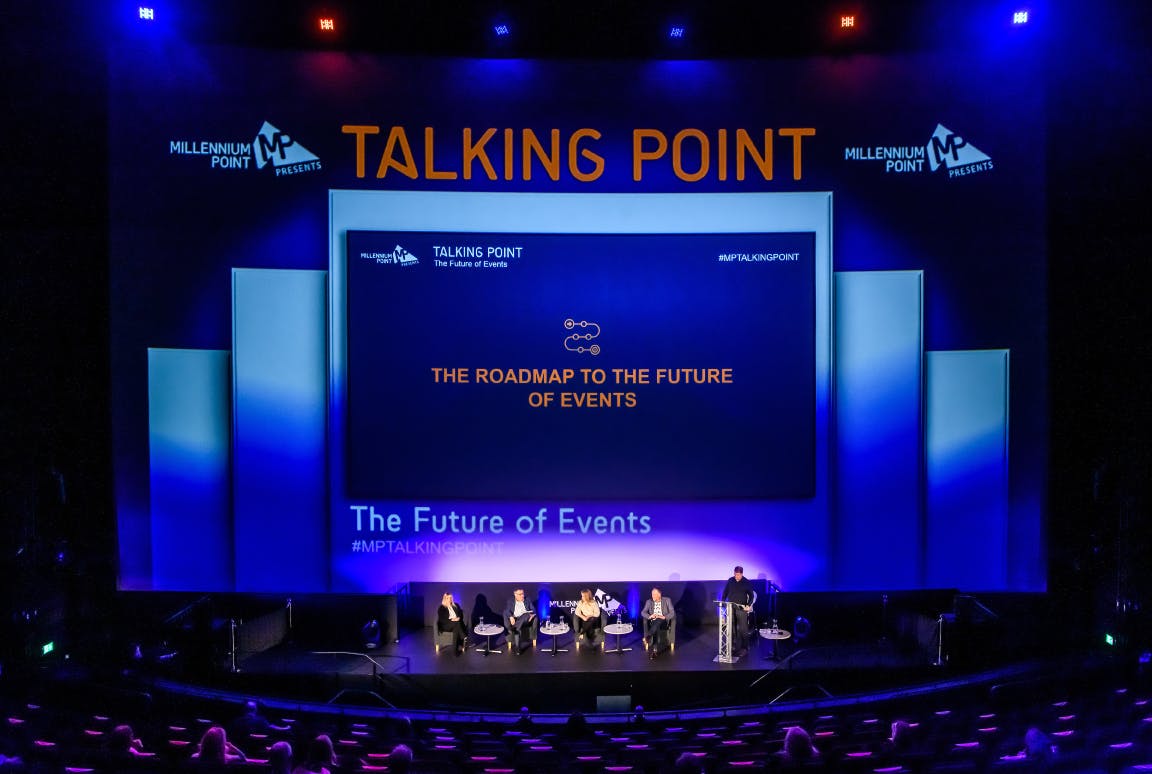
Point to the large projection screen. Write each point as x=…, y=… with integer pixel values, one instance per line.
x=786, y=535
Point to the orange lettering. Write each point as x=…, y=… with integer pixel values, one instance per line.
x=677, y=162
x=397, y=137
x=430, y=172
x=744, y=145
x=596, y=159
x=360, y=131
x=532, y=147
x=476, y=151
x=639, y=155
x=796, y=134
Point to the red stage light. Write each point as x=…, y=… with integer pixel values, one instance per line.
x=847, y=21
x=327, y=24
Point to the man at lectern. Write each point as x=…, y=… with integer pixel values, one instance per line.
x=520, y=616
x=658, y=613
x=738, y=590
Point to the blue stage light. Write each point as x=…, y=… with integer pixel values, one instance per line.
x=676, y=32
x=1020, y=17
x=501, y=30
x=147, y=14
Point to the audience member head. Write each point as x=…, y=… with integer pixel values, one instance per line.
x=638, y=714
x=213, y=746
x=1037, y=745
x=121, y=741
x=400, y=759
x=798, y=745
x=687, y=762
x=321, y=751
x=576, y=725
x=280, y=758
x=901, y=738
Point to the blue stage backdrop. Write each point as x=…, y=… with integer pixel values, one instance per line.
x=380, y=320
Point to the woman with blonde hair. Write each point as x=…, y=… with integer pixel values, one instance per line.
x=587, y=617
x=450, y=618
x=798, y=747
x=216, y=750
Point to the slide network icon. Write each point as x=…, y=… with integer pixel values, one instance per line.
x=572, y=343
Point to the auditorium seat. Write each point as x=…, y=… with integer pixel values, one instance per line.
x=533, y=628
x=446, y=639
x=603, y=637
x=743, y=765
x=1100, y=732
x=671, y=635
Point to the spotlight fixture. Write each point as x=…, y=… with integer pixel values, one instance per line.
x=1020, y=17
x=501, y=30
x=847, y=21
x=147, y=14
x=676, y=32
x=327, y=24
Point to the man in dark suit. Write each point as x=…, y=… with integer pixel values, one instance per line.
x=658, y=614
x=738, y=590
x=520, y=618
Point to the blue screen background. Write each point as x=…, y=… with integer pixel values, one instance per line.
x=660, y=301
x=179, y=227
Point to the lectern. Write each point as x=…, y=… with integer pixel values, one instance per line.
x=724, y=653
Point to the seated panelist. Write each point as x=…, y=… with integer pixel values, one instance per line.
x=519, y=617
x=450, y=618
x=658, y=614
x=587, y=616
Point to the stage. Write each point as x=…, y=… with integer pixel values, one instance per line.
x=411, y=674
x=855, y=646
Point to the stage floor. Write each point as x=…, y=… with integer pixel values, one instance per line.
x=411, y=673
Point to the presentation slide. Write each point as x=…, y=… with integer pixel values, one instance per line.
x=583, y=366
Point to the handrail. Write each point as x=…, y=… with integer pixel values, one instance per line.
x=406, y=667
x=186, y=610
